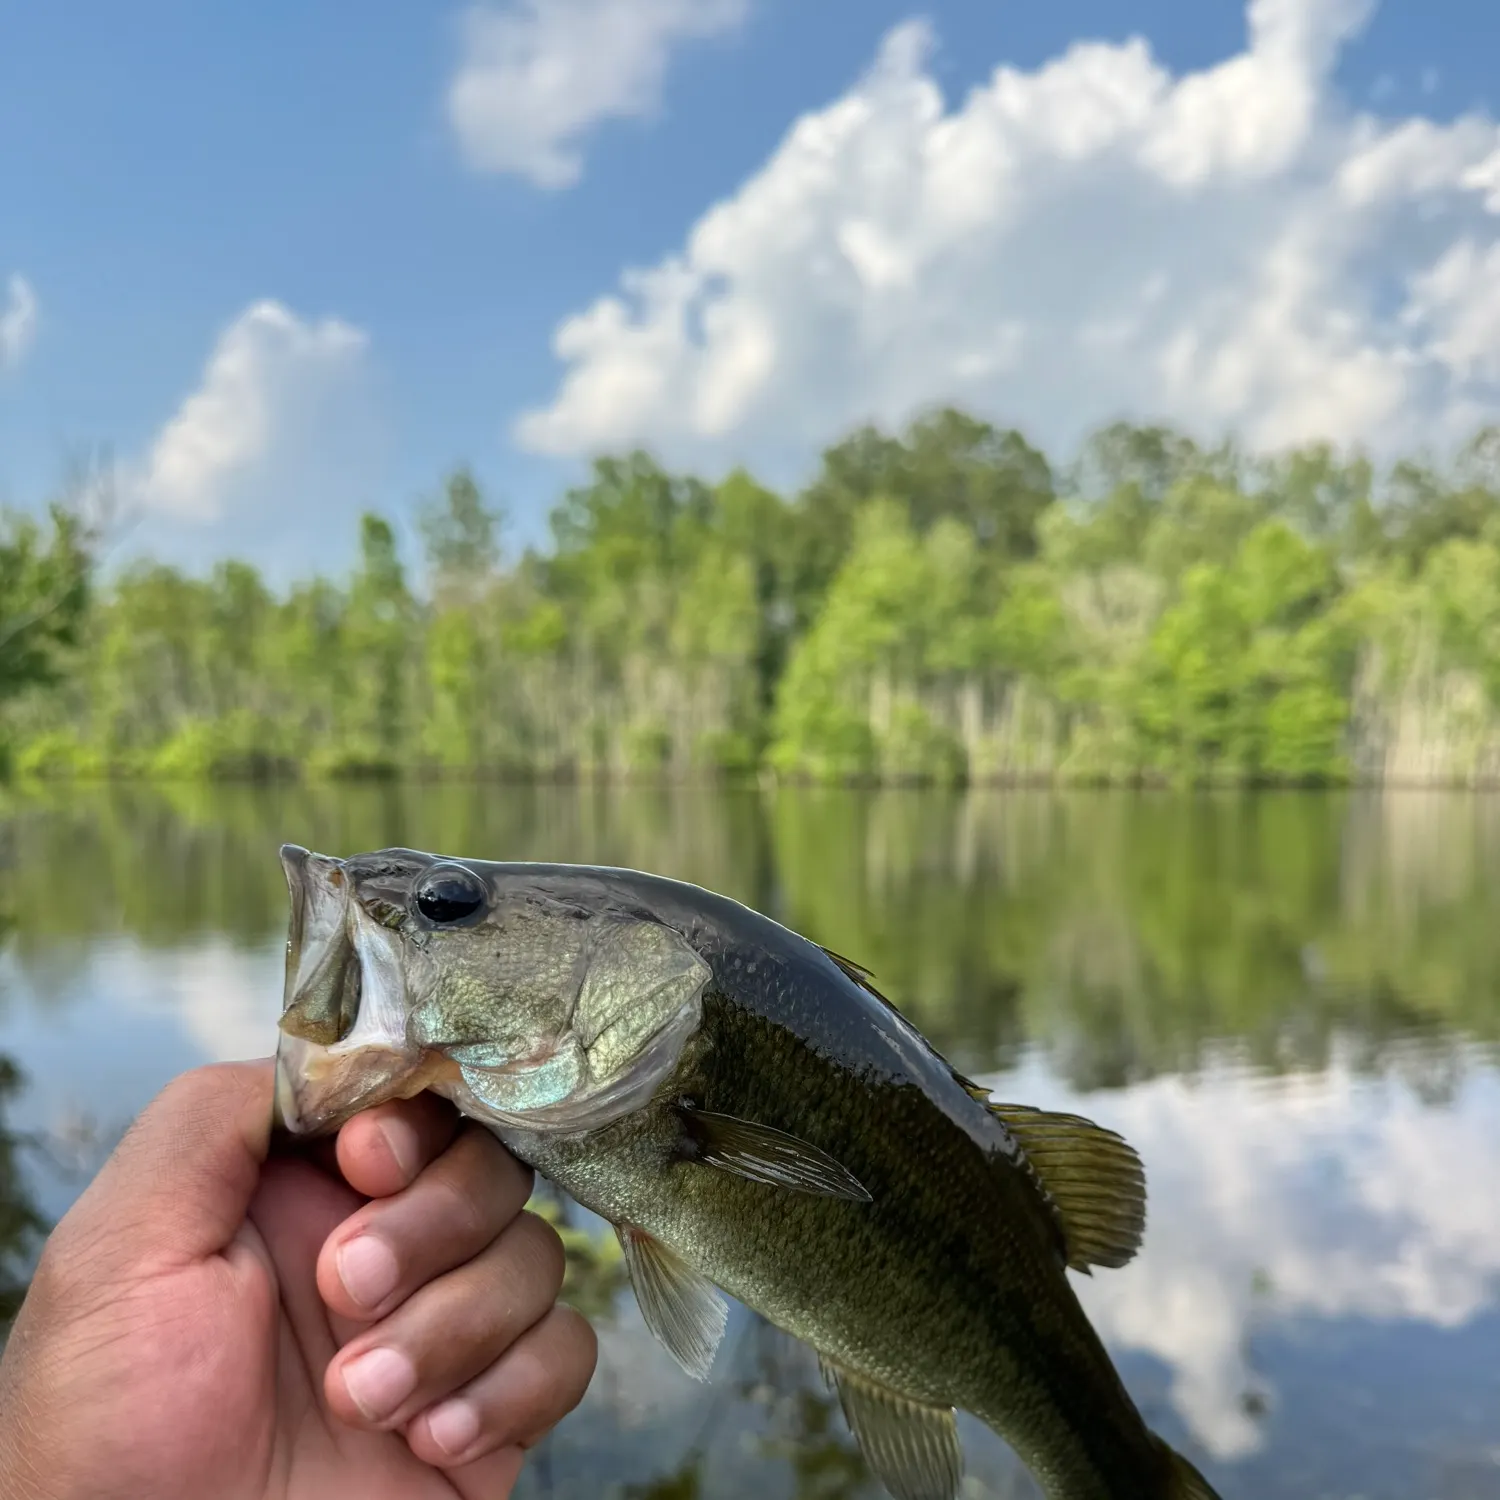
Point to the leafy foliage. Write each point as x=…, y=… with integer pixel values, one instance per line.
x=44, y=578
x=940, y=605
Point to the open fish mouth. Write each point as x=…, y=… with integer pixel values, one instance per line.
x=343, y=1043
x=320, y=998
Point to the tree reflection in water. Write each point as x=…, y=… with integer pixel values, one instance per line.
x=22, y=1227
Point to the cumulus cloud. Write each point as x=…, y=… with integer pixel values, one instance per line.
x=269, y=383
x=1328, y=1196
x=536, y=75
x=1233, y=248
x=18, y=320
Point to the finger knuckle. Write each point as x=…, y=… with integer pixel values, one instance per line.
x=540, y=1249
x=185, y=1099
x=580, y=1343
x=508, y=1179
x=561, y=1359
x=463, y=1207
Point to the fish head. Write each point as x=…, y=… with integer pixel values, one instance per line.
x=526, y=1005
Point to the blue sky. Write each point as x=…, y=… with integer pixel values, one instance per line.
x=286, y=265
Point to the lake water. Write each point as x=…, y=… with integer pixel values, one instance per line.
x=1287, y=1003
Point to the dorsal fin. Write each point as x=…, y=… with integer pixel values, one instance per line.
x=859, y=974
x=1092, y=1178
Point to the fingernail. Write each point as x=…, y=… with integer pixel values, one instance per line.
x=454, y=1425
x=401, y=1142
x=378, y=1382
x=367, y=1267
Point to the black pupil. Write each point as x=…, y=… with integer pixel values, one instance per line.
x=450, y=897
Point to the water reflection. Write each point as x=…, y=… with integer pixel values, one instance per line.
x=1294, y=1203
x=21, y=1226
x=1287, y=1003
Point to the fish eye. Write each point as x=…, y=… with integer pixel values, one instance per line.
x=450, y=893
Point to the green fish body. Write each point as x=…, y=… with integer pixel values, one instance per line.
x=751, y=1115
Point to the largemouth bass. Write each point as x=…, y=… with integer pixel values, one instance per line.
x=753, y=1117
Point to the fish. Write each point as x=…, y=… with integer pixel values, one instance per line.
x=755, y=1119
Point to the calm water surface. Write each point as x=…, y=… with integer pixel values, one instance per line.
x=1288, y=1004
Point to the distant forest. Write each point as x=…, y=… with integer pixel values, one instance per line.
x=945, y=605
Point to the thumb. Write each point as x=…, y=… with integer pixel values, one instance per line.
x=176, y=1188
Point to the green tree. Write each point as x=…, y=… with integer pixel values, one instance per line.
x=1247, y=675
x=462, y=536
x=378, y=636
x=45, y=573
x=461, y=533
x=947, y=466
x=903, y=619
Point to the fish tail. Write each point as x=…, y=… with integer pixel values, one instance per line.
x=1183, y=1481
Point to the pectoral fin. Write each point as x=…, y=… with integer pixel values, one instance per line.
x=765, y=1155
x=912, y=1449
x=683, y=1309
x=1093, y=1179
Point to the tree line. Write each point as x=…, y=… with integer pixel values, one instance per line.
x=945, y=604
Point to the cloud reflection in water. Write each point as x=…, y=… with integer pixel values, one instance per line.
x=1327, y=1195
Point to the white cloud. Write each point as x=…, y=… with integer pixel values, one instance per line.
x=536, y=75
x=18, y=320
x=265, y=389
x=1230, y=248
x=1458, y=303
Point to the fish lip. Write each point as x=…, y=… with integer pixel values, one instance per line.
x=294, y=860
x=318, y=1089
x=286, y=1117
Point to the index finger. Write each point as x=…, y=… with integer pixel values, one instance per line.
x=383, y=1149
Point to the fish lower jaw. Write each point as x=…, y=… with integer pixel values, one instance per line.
x=319, y=1088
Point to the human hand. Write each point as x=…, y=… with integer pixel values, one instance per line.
x=206, y=1322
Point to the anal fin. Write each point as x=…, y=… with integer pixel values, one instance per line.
x=911, y=1448
x=682, y=1308
x=1093, y=1179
